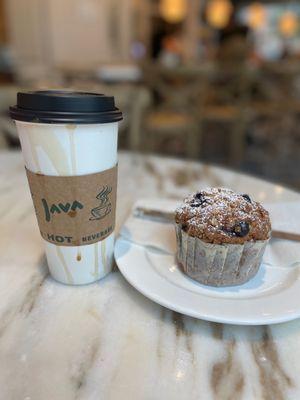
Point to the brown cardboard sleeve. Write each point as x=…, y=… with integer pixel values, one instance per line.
x=75, y=210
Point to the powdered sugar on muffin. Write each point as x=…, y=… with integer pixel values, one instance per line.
x=219, y=215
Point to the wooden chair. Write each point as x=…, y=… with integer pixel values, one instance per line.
x=227, y=103
x=175, y=108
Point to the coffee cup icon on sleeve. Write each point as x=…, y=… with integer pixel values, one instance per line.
x=104, y=207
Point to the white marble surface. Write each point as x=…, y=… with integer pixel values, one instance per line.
x=105, y=340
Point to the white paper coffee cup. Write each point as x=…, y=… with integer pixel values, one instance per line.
x=70, y=149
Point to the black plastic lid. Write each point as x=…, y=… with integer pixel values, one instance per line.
x=62, y=106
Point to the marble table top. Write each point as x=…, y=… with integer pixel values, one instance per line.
x=107, y=341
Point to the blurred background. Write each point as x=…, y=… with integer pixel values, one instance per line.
x=211, y=80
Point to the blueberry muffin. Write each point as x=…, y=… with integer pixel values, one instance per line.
x=221, y=236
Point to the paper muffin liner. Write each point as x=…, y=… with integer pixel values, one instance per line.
x=218, y=264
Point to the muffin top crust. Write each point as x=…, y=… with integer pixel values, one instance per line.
x=219, y=215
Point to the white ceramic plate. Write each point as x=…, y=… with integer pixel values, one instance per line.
x=272, y=296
